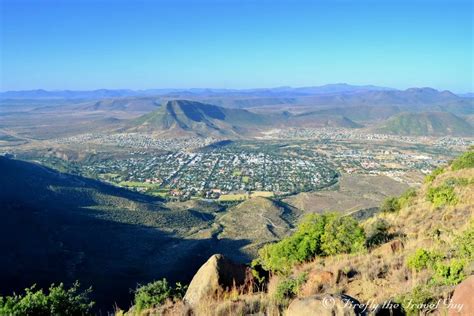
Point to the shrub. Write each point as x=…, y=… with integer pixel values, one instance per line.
x=430, y=178
x=390, y=204
x=59, y=301
x=301, y=246
x=153, y=294
x=442, y=195
x=258, y=273
x=450, y=273
x=325, y=234
x=466, y=160
x=406, y=198
x=342, y=235
x=464, y=243
x=289, y=287
x=418, y=300
x=422, y=259
x=377, y=233
x=179, y=290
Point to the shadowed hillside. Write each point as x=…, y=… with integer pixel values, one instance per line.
x=60, y=228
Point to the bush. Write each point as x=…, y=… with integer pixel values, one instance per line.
x=450, y=273
x=301, y=246
x=59, y=301
x=377, y=233
x=394, y=204
x=442, y=195
x=342, y=235
x=289, y=287
x=430, y=178
x=422, y=259
x=417, y=300
x=406, y=198
x=390, y=204
x=156, y=293
x=325, y=234
x=464, y=243
x=466, y=160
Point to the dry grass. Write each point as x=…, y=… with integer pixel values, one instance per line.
x=381, y=274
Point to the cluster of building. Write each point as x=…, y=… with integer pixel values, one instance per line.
x=341, y=134
x=218, y=171
x=137, y=140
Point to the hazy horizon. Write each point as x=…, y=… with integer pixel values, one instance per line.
x=89, y=45
x=177, y=89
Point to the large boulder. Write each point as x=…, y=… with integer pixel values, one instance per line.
x=215, y=276
x=462, y=302
x=325, y=305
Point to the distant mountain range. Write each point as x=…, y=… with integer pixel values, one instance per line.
x=220, y=112
x=114, y=93
x=328, y=89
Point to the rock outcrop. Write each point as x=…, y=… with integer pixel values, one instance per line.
x=463, y=298
x=217, y=275
x=325, y=305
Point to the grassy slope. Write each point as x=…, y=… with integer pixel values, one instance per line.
x=383, y=275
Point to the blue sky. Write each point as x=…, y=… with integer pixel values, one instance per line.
x=73, y=44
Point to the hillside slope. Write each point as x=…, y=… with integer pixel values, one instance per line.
x=426, y=124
